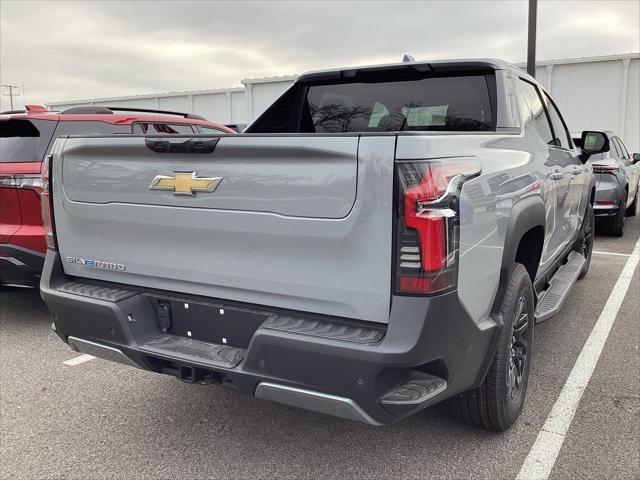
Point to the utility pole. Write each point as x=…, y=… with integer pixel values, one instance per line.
x=11, y=94
x=531, y=42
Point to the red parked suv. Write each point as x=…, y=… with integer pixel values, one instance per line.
x=26, y=137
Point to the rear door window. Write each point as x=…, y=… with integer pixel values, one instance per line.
x=622, y=148
x=561, y=134
x=540, y=120
x=614, y=149
x=19, y=140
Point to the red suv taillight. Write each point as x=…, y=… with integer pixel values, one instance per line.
x=427, y=226
x=33, y=182
x=47, y=218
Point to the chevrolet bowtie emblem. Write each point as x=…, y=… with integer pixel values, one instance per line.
x=185, y=183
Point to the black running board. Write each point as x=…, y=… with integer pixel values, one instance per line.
x=550, y=301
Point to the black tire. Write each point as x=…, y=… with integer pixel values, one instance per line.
x=497, y=403
x=584, y=243
x=633, y=208
x=616, y=224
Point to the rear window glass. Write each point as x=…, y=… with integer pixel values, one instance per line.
x=18, y=141
x=461, y=102
x=450, y=104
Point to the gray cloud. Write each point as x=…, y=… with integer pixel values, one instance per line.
x=70, y=50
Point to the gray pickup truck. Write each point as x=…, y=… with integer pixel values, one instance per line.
x=379, y=240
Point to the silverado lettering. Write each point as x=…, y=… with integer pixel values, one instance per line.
x=97, y=263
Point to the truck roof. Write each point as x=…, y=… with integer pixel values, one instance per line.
x=422, y=66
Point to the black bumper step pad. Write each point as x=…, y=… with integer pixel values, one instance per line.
x=415, y=391
x=324, y=329
x=99, y=292
x=194, y=351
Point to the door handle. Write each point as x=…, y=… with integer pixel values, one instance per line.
x=576, y=171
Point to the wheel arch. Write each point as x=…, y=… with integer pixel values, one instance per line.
x=527, y=221
x=524, y=239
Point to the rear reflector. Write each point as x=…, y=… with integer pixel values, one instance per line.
x=427, y=223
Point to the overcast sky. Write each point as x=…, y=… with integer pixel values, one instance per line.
x=85, y=49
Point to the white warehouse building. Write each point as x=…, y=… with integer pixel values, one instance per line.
x=599, y=93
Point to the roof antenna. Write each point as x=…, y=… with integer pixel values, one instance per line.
x=408, y=58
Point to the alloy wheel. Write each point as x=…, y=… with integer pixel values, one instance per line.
x=587, y=237
x=519, y=347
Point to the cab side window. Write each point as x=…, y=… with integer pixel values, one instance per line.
x=540, y=120
x=561, y=134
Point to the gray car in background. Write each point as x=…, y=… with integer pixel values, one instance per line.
x=617, y=174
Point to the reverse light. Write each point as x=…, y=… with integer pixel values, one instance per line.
x=428, y=222
x=47, y=217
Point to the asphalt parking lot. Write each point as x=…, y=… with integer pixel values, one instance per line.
x=101, y=420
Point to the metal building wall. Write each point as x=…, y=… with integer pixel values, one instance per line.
x=600, y=93
x=227, y=105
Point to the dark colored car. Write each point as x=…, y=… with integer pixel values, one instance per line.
x=26, y=137
x=617, y=174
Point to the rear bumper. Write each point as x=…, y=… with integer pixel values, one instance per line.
x=363, y=371
x=604, y=212
x=20, y=266
x=608, y=191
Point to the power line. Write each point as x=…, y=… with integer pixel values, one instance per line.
x=11, y=94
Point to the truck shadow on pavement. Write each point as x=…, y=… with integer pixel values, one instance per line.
x=22, y=307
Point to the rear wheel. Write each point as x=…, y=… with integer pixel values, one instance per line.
x=584, y=243
x=616, y=225
x=497, y=403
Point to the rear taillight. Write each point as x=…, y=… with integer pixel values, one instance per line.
x=605, y=168
x=47, y=218
x=428, y=223
x=22, y=181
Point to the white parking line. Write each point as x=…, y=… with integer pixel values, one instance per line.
x=612, y=253
x=78, y=360
x=544, y=452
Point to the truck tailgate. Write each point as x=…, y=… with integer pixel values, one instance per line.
x=298, y=222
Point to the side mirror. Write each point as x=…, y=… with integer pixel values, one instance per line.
x=594, y=142
x=635, y=158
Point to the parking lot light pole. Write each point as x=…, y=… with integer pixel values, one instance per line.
x=531, y=42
